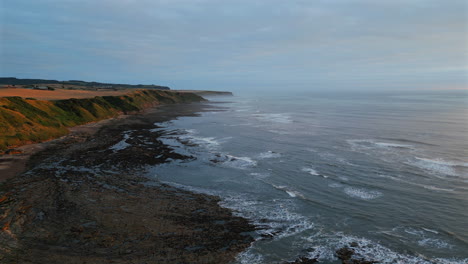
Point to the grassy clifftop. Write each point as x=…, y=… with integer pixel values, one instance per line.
x=25, y=120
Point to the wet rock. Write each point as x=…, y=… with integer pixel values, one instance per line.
x=346, y=255
x=304, y=260
x=354, y=244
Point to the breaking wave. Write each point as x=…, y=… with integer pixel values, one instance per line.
x=439, y=166
x=362, y=193
x=269, y=155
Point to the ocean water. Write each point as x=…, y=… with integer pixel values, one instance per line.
x=320, y=170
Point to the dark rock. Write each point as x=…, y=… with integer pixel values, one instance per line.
x=344, y=253
x=304, y=260
x=354, y=244
x=346, y=256
x=13, y=152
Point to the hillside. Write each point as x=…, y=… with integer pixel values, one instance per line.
x=27, y=120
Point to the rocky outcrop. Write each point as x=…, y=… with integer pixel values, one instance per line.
x=347, y=256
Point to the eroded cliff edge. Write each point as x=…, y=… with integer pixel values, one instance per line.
x=26, y=120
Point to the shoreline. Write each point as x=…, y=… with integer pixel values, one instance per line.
x=11, y=165
x=86, y=200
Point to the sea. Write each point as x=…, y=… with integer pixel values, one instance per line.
x=386, y=173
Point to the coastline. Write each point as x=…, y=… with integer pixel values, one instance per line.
x=12, y=165
x=84, y=198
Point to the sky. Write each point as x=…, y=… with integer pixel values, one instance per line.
x=241, y=44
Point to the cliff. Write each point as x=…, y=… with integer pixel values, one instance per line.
x=26, y=120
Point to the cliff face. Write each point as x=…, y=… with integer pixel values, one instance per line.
x=26, y=120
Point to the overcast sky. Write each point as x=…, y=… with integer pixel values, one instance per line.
x=221, y=44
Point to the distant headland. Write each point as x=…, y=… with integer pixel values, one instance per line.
x=74, y=84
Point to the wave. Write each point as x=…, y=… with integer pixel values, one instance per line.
x=278, y=221
x=289, y=191
x=392, y=145
x=276, y=118
x=439, y=166
x=260, y=175
x=310, y=171
x=269, y=155
x=434, y=243
x=250, y=257
x=372, y=144
x=409, y=141
x=275, y=216
x=445, y=163
x=371, y=250
x=209, y=142
x=422, y=236
x=233, y=161
x=333, y=158
x=362, y=193
x=425, y=186
x=335, y=185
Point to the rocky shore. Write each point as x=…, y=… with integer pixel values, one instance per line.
x=84, y=200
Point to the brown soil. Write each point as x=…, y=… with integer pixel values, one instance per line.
x=84, y=202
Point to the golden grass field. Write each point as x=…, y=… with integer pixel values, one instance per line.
x=58, y=93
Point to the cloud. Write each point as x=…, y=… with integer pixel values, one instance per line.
x=236, y=42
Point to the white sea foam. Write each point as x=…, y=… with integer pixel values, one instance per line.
x=434, y=243
x=269, y=155
x=161, y=126
x=260, y=175
x=334, y=158
x=362, y=193
x=275, y=214
x=430, y=230
x=191, y=131
x=122, y=144
x=392, y=145
x=434, y=188
x=209, y=142
x=343, y=178
x=279, y=132
x=310, y=171
x=276, y=118
x=249, y=257
x=289, y=191
x=191, y=188
x=369, y=250
x=438, y=166
x=357, y=144
x=236, y=162
x=425, y=237
x=335, y=185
